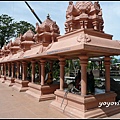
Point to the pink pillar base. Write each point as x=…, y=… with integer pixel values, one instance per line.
x=42, y=92
x=20, y=85
x=2, y=79
x=77, y=106
x=10, y=81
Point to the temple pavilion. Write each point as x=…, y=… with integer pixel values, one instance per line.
x=84, y=38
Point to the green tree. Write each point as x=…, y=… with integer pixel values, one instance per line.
x=55, y=69
x=9, y=28
x=114, y=60
x=22, y=27
x=72, y=66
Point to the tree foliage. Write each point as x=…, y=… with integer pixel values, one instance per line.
x=10, y=28
x=7, y=29
x=114, y=60
x=72, y=66
x=22, y=27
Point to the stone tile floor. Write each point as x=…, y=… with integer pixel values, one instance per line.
x=14, y=104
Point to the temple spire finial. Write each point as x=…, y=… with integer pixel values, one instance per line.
x=48, y=16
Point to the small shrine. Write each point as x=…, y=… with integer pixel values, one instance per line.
x=84, y=39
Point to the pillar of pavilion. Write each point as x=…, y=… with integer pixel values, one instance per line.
x=21, y=84
x=4, y=52
x=2, y=75
x=12, y=47
x=4, y=71
x=84, y=29
x=45, y=37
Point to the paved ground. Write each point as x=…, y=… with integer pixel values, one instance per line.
x=14, y=104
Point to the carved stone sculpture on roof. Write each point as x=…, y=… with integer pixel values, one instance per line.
x=71, y=11
x=84, y=15
x=14, y=46
x=9, y=44
x=2, y=49
x=5, y=50
x=47, y=34
x=26, y=40
x=1, y=52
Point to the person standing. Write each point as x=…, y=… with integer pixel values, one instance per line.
x=92, y=81
x=49, y=78
x=77, y=80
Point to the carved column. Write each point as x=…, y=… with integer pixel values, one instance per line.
x=39, y=71
x=8, y=69
x=18, y=70
x=42, y=62
x=71, y=26
x=107, y=73
x=62, y=72
x=4, y=69
x=85, y=24
x=15, y=70
x=83, y=63
x=95, y=24
x=81, y=24
x=33, y=71
x=12, y=70
x=24, y=70
x=0, y=70
x=21, y=71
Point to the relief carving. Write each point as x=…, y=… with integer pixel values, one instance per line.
x=49, y=46
x=21, y=54
x=41, y=49
x=83, y=38
x=44, y=49
x=97, y=5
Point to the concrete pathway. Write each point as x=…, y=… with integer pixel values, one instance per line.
x=14, y=104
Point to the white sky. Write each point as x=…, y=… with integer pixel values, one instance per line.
x=19, y=11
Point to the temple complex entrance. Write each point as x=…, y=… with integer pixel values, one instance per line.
x=84, y=40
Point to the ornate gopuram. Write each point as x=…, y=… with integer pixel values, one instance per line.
x=84, y=39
